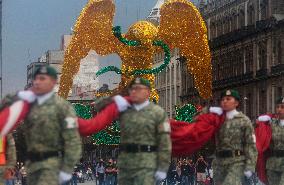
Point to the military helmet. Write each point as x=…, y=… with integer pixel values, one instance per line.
x=141, y=81
x=231, y=92
x=280, y=100
x=46, y=70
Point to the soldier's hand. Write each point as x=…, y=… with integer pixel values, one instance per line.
x=64, y=177
x=121, y=103
x=28, y=96
x=216, y=110
x=264, y=118
x=248, y=173
x=160, y=175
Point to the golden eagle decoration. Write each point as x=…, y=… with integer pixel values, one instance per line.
x=181, y=26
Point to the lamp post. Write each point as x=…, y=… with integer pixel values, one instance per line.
x=245, y=105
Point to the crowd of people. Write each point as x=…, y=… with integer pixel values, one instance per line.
x=103, y=172
x=190, y=172
x=16, y=175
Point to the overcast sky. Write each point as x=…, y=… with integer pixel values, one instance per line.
x=31, y=27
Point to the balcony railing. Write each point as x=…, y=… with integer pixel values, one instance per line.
x=261, y=73
x=232, y=37
x=234, y=80
x=243, y=33
x=277, y=70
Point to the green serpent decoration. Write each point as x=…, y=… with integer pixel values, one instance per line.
x=118, y=35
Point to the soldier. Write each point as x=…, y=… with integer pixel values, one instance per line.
x=235, y=144
x=7, y=155
x=51, y=135
x=275, y=162
x=145, y=147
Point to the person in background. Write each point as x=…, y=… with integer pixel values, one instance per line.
x=192, y=172
x=7, y=156
x=100, y=169
x=115, y=171
x=201, y=166
x=109, y=173
x=185, y=172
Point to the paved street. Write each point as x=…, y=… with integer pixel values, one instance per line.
x=88, y=183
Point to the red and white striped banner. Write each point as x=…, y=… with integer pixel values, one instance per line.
x=11, y=116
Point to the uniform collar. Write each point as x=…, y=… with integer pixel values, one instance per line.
x=140, y=106
x=43, y=98
x=231, y=114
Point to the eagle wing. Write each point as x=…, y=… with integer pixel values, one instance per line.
x=181, y=26
x=92, y=31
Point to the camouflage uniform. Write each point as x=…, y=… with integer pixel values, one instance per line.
x=274, y=164
x=10, y=157
x=236, y=134
x=50, y=127
x=148, y=126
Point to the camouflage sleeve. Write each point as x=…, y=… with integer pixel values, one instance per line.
x=11, y=151
x=72, y=141
x=102, y=102
x=250, y=147
x=164, y=143
x=8, y=100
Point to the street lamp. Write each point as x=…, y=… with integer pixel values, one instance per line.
x=245, y=104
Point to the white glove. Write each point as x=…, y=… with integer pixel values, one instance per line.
x=216, y=110
x=64, y=177
x=28, y=96
x=264, y=118
x=121, y=103
x=248, y=173
x=160, y=175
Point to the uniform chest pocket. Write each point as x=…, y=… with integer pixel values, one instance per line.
x=44, y=118
x=278, y=134
x=234, y=132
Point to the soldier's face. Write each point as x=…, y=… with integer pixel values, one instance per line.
x=280, y=110
x=43, y=84
x=139, y=93
x=229, y=103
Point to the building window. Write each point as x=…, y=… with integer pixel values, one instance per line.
x=263, y=9
x=262, y=101
x=227, y=25
x=279, y=52
x=279, y=92
x=249, y=58
x=212, y=31
x=241, y=18
x=233, y=22
x=262, y=54
x=251, y=15
x=219, y=28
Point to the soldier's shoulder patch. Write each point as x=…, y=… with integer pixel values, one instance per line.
x=165, y=126
x=71, y=122
x=254, y=138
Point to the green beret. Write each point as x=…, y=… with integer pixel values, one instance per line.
x=231, y=92
x=141, y=81
x=280, y=100
x=46, y=70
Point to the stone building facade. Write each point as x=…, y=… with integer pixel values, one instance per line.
x=247, y=44
x=168, y=82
